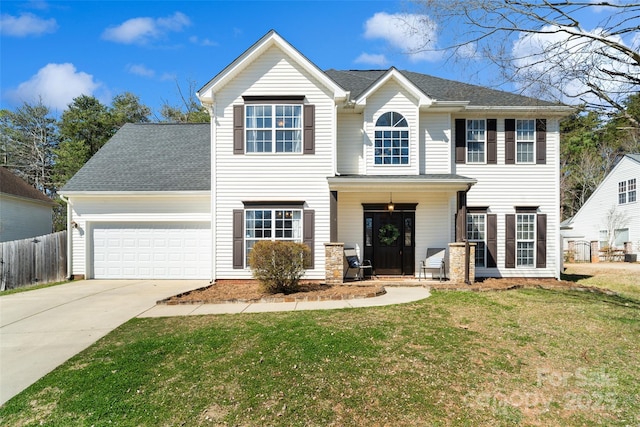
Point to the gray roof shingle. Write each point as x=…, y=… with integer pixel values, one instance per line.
x=357, y=81
x=149, y=157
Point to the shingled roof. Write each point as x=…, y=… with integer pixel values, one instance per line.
x=357, y=81
x=16, y=186
x=149, y=157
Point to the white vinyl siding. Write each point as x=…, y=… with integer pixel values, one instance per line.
x=435, y=143
x=592, y=216
x=22, y=218
x=391, y=97
x=350, y=150
x=503, y=187
x=87, y=211
x=271, y=177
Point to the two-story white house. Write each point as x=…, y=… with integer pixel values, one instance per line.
x=392, y=161
x=611, y=215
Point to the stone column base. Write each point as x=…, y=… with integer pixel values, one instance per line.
x=457, y=258
x=334, y=263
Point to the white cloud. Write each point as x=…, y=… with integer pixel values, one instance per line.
x=56, y=85
x=412, y=34
x=143, y=30
x=202, y=42
x=140, y=70
x=372, y=59
x=27, y=24
x=568, y=63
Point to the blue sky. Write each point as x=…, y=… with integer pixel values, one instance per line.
x=57, y=50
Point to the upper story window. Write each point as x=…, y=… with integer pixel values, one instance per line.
x=273, y=128
x=525, y=141
x=476, y=141
x=391, y=142
x=627, y=191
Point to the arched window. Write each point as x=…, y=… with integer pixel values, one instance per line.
x=391, y=140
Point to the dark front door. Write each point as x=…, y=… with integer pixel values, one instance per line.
x=389, y=242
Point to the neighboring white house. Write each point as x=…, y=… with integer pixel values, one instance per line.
x=611, y=216
x=297, y=153
x=24, y=211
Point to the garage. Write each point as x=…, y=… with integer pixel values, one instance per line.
x=151, y=250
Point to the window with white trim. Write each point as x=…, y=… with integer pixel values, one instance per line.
x=391, y=140
x=271, y=224
x=273, y=128
x=525, y=141
x=476, y=140
x=476, y=233
x=627, y=191
x=525, y=239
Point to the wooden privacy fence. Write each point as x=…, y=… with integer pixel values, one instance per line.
x=42, y=259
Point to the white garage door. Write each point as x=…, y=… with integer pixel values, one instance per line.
x=152, y=251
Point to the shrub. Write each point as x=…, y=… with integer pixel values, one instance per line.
x=278, y=265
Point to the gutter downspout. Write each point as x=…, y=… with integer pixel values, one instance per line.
x=211, y=109
x=69, y=238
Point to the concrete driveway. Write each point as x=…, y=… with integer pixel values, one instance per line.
x=41, y=329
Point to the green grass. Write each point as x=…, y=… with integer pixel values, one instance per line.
x=624, y=281
x=31, y=288
x=527, y=357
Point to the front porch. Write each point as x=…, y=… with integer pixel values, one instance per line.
x=460, y=268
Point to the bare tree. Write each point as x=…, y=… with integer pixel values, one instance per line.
x=189, y=112
x=544, y=48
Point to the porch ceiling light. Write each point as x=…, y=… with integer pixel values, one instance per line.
x=390, y=206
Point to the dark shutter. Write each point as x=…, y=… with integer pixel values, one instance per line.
x=492, y=240
x=541, y=141
x=492, y=141
x=510, y=141
x=461, y=217
x=309, y=137
x=541, y=241
x=238, y=129
x=461, y=140
x=333, y=216
x=510, y=241
x=308, y=235
x=238, y=239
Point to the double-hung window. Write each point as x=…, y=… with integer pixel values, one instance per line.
x=525, y=141
x=627, y=191
x=476, y=140
x=525, y=239
x=273, y=128
x=391, y=142
x=271, y=224
x=476, y=232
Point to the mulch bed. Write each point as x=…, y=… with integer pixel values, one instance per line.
x=250, y=292
x=232, y=292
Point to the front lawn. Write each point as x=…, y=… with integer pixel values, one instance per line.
x=525, y=357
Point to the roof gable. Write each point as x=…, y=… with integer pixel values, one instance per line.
x=14, y=185
x=441, y=91
x=398, y=77
x=207, y=93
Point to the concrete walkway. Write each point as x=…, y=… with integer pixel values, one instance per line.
x=394, y=295
x=41, y=329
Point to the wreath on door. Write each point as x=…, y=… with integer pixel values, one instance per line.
x=388, y=234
